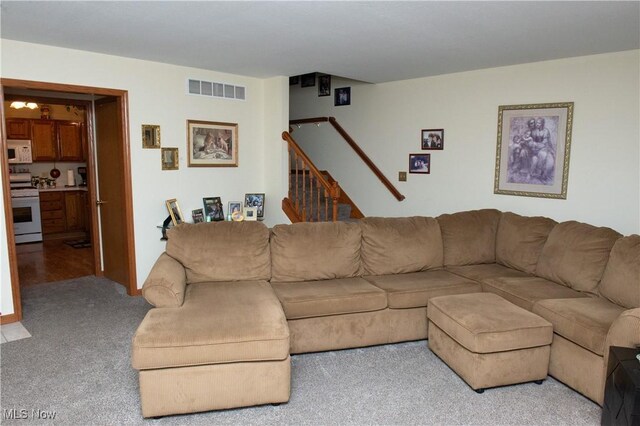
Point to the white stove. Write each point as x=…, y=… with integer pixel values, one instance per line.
x=25, y=205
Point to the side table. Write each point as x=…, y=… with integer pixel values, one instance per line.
x=622, y=388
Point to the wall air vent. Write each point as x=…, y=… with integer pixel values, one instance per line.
x=215, y=90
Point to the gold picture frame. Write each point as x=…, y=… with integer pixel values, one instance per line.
x=212, y=144
x=169, y=158
x=533, y=148
x=174, y=211
x=150, y=136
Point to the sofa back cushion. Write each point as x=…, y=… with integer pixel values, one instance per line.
x=397, y=245
x=469, y=237
x=621, y=280
x=315, y=251
x=221, y=251
x=576, y=254
x=520, y=239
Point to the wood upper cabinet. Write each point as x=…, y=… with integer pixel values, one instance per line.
x=44, y=144
x=70, y=146
x=18, y=128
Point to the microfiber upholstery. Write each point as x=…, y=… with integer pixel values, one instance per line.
x=576, y=254
x=221, y=251
x=621, y=280
x=520, y=239
x=526, y=291
x=485, y=271
x=315, y=251
x=166, y=283
x=400, y=245
x=584, y=321
x=469, y=237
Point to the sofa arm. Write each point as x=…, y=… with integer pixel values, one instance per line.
x=625, y=332
x=166, y=283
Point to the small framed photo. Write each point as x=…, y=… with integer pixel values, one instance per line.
x=532, y=156
x=212, y=144
x=324, y=85
x=308, y=80
x=197, y=215
x=257, y=201
x=213, y=209
x=234, y=206
x=432, y=139
x=295, y=80
x=342, y=96
x=150, y=136
x=169, y=158
x=250, y=213
x=420, y=163
x=174, y=211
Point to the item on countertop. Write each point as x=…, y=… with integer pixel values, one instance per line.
x=71, y=178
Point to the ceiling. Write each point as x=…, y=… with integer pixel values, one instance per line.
x=374, y=41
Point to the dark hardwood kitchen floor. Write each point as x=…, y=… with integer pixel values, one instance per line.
x=50, y=261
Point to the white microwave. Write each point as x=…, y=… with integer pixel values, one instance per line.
x=19, y=151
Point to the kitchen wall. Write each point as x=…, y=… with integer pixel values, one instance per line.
x=57, y=112
x=386, y=119
x=157, y=96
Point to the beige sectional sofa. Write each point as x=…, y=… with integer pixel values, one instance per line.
x=234, y=299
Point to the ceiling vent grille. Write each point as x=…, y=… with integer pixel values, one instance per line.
x=215, y=90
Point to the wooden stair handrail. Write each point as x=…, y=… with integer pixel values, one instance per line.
x=364, y=157
x=312, y=168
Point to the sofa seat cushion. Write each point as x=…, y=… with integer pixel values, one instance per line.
x=414, y=290
x=218, y=323
x=576, y=254
x=308, y=299
x=486, y=323
x=526, y=291
x=485, y=271
x=308, y=251
x=221, y=251
x=520, y=240
x=469, y=237
x=621, y=280
x=399, y=245
x=584, y=321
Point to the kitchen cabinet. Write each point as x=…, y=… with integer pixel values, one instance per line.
x=70, y=146
x=44, y=144
x=18, y=128
x=64, y=211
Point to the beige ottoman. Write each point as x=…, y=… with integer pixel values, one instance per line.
x=489, y=341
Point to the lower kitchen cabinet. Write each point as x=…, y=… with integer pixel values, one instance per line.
x=64, y=211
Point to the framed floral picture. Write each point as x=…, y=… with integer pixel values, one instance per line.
x=532, y=155
x=212, y=144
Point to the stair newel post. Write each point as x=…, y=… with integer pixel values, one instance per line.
x=335, y=195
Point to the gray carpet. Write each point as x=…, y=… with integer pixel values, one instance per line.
x=77, y=364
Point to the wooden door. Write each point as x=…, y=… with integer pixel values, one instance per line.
x=70, y=141
x=43, y=140
x=18, y=128
x=111, y=201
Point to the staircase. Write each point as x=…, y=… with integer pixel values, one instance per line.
x=314, y=196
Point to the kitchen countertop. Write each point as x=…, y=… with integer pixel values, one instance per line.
x=64, y=188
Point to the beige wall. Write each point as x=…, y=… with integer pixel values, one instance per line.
x=157, y=96
x=386, y=119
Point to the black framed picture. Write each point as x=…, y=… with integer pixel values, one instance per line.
x=324, y=85
x=420, y=163
x=432, y=139
x=213, y=209
x=294, y=80
x=257, y=201
x=342, y=96
x=308, y=80
x=197, y=215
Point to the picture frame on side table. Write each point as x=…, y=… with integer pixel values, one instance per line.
x=174, y=211
x=212, y=144
x=234, y=206
x=170, y=159
x=150, y=136
x=213, y=211
x=257, y=201
x=197, y=215
x=250, y=213
x=533, y=148
x=420, y=163
x=432, y=139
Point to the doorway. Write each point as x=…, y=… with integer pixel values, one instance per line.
x=109, y=222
